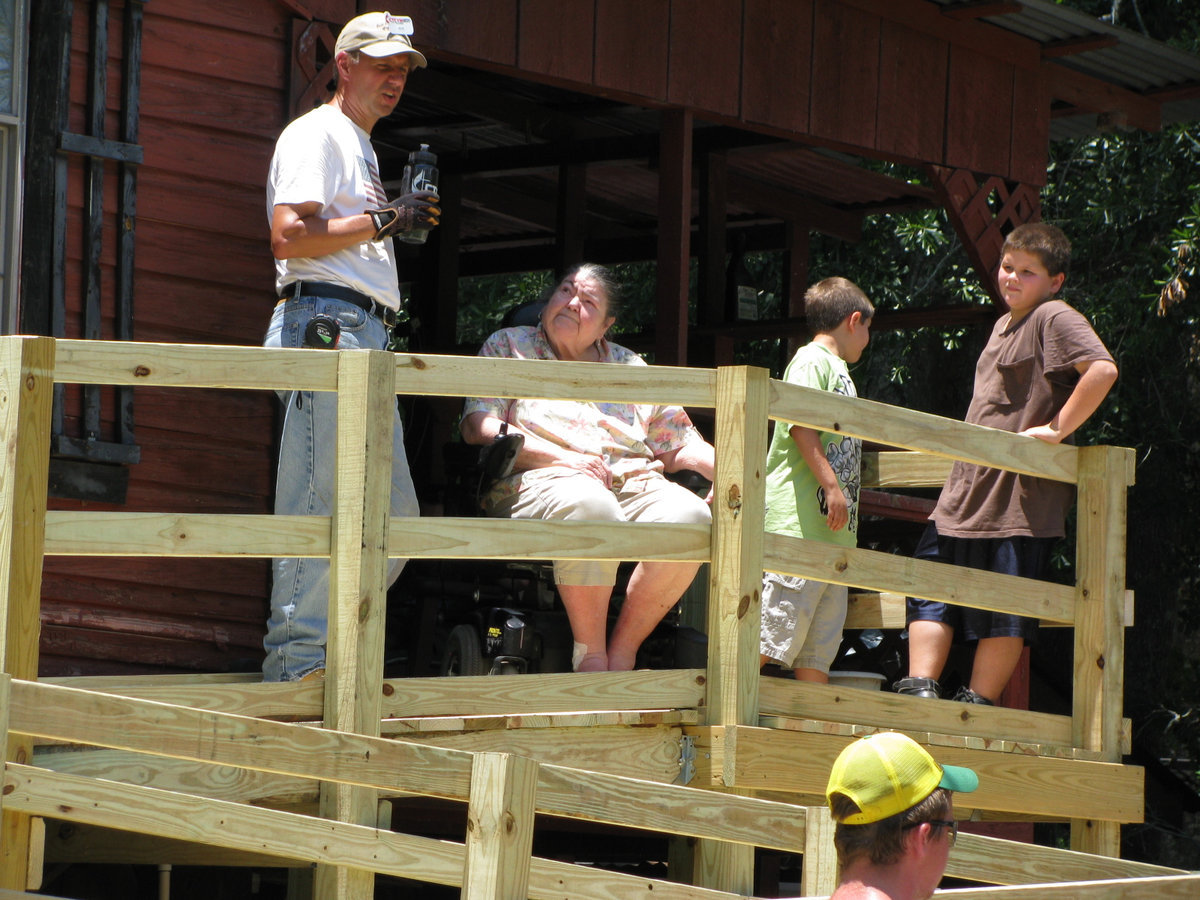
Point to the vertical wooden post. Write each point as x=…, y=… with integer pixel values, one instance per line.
x=710, y=304
x=674, y=237
x=735, y=588
x=1104, y=475
x=796, y=280
x=441, y=317
x=734, y=607
x=357, y=586
x=500, y=816
x=5, y=681
x=26, y=399
x=819, y=875
x=570, y=233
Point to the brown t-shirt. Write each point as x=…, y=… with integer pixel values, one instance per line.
x=1024, y=376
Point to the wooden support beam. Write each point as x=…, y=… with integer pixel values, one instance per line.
x=5, y=706
x=978, y=857
x=791, y=705
x=792, y=206
x=735, y=588
x=27, y=389
x=909, y=429
x=796, y=279
x=499, y=827
x=1098, y=684
x=710, y=304
x=571, y=230
x=1075, y=45
x=872, y=570
x=978, y=9
x=1011, y=782
x=441, y=322
x=357, y=587
x=1120, y=105
x=1175, y=887
x=674, y=237
x=819, y=876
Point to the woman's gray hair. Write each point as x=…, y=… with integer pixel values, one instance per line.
x=604, y=279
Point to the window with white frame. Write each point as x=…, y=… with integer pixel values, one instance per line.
x=12, y=109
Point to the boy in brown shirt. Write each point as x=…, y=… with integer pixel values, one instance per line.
x=1043, y=373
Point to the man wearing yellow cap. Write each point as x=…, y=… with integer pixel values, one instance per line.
x=895, y=817
x=336, y=282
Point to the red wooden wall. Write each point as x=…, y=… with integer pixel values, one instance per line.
x=213, y=98
x=889, y=78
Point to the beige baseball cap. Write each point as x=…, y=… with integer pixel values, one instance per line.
x=379, y=34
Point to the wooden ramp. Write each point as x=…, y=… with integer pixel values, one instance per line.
x=240, y=771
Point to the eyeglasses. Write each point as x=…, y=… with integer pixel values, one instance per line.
x=952, y=824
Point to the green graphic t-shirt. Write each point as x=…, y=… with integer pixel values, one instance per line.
x=795, y=501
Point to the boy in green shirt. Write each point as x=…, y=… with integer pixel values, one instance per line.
x=813, y=485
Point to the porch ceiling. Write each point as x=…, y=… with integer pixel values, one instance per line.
x=508, y=139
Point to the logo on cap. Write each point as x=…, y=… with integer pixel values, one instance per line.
x=398, y=25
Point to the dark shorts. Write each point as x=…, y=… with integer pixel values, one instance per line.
x=1027, y=557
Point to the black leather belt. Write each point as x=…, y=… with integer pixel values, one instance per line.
x=298, y=289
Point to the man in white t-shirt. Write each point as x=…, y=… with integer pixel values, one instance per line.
x=335, y=275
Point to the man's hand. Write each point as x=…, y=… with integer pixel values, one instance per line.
x=416, y=210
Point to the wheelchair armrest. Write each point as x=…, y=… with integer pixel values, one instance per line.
x=498, y=458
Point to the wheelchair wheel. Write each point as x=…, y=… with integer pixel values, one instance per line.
x=463, y=656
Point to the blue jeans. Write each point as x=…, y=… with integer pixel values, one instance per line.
x=296, y=630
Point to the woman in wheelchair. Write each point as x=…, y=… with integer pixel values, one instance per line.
x=599, y=462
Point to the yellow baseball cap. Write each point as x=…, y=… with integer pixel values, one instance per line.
x=887, y=773
x=379, y=34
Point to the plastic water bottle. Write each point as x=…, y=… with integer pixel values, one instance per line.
x=421, y=174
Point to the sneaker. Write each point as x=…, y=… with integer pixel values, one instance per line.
x=966, y=695
x=917, y=686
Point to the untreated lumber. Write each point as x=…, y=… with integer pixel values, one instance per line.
x=766, y=759
x=874, y=570
x=67, y=714
x=992, y=860
x=1174, y=887
x=408, y=698
x=912, y=430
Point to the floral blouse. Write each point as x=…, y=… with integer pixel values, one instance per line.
x=627, y=435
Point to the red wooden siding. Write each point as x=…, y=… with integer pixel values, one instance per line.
x=979, y=113
x=632, y=46
x=557, y=39
x=1031, y=109
x=706, y=55
x=483, y=31
x=869, y=76
x=912, y=93
x=776, y=64
x=214, y=96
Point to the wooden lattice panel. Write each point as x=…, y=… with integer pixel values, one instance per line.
x=983, y=209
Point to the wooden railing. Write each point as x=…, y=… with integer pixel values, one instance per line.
x=770, y=737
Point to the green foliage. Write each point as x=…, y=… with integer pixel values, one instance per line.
x=483, y=301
